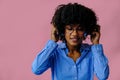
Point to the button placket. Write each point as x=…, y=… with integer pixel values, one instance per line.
x=75, y=70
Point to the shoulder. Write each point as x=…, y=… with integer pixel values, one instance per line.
x=85, y=46
x=61, y=45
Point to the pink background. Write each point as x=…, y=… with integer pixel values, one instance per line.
x=25, y=28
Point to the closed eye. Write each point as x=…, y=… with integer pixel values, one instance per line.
x=69, y=27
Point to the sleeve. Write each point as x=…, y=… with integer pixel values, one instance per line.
x=42, y=61
x=101, y=68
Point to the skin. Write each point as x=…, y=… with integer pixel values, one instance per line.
x=74, y=36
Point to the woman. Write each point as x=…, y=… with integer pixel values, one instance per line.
x=71, y=59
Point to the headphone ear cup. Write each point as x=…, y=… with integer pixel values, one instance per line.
x=85, y=35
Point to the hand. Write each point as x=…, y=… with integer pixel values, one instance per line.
x=95, y=37
x=54, y=34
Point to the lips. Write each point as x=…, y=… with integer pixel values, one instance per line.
x=74, y=39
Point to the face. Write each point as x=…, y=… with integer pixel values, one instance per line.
x=74, y=35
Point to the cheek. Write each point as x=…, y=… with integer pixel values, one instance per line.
x=66, y=35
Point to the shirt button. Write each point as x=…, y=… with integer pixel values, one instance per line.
x=74, y=66
x=75, y=78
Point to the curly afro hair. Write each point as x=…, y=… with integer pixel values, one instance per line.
x=67, y=14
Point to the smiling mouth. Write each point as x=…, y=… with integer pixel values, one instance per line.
x=74, y=39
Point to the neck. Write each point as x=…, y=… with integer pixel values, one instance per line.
x=73, y=49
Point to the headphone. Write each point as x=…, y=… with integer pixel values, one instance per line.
x=85, y=34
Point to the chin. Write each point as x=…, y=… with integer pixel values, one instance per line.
x=75, y=44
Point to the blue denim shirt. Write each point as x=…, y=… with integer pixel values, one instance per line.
x=54, y=56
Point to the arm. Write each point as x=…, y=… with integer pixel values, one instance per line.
x=101, y=67
x=43, y=60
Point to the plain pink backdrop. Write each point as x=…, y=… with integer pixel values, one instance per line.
x=25, y=28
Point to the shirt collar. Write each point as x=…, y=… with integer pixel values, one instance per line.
x=86, y=47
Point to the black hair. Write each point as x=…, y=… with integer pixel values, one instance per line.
x=67, y=14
